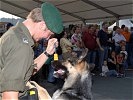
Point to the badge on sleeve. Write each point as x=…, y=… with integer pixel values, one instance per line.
x=25, y=40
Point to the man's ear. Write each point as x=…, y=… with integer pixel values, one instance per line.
x=43, y=26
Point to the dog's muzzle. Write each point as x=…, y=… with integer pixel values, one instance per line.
x=58, y=73
x=60, y=70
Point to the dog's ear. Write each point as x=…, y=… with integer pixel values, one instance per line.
x=83, y=54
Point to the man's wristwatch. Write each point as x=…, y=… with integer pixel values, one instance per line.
x=48, y=55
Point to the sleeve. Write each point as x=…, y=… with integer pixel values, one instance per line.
x=61, y=42
x=72, y=40
x=123, y=38
x=15, y=67
x=126, y=53
x=113, y=37
x=98, y=34
x=67, y=42
x=116, y=39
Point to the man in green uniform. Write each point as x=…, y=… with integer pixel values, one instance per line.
x=16, y=53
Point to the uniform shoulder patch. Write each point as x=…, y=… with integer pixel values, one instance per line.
x=25, y=40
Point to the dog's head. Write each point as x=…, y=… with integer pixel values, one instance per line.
x=78, y=81
x=72, y=65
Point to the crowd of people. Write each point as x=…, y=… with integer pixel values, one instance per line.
x=111, y=53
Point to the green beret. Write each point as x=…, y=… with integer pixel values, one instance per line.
x=52, y=17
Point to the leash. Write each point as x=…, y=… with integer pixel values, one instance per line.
x=55, y=54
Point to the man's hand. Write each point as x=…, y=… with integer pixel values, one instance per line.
x=52, y=43
x=10, y=95
x=101, y=49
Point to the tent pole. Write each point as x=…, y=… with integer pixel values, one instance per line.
x=117, y=21
x=84, y=22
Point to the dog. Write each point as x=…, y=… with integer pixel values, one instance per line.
x=77, y=85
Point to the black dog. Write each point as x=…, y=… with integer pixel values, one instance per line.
x=77, y=84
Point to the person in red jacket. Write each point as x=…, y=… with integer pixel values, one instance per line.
x=89, y=40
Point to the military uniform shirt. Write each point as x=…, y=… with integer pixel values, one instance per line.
x=16, y=58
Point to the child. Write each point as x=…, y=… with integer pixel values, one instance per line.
x=112, y=61
x=120, y=67
x=112, y=65
x=124, y=52
x=107, y=72
x=104, y=69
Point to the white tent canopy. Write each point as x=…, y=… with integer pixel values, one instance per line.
x=75, y=11
x=126, y=22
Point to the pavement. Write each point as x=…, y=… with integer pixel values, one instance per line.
x=104, y=88
x=112, y=88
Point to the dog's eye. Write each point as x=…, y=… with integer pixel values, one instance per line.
x=71, y=62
